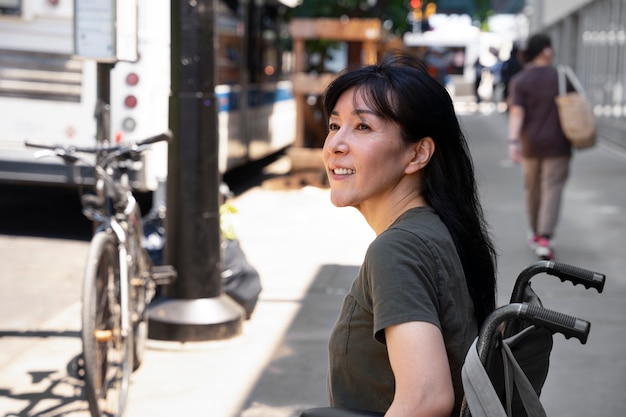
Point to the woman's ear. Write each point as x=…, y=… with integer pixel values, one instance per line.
x=423, y=151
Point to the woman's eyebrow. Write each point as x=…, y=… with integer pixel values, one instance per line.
x=363, y=111
x=355, y=112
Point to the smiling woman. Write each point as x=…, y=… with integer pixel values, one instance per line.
x=396, y=153
x=370, y=166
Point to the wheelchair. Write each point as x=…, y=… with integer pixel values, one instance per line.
x=507, y=365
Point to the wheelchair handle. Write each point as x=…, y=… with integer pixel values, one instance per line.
x=565, y=272
x=554, y=321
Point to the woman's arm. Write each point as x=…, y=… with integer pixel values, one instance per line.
x=516, y=119
x=420, y=366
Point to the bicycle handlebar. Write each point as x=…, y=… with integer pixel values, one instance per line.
x=115, y=151
x=154, y=139
x=565, y=272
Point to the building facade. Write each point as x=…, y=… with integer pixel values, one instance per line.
x=590, y=36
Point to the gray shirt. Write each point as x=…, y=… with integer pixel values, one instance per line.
x=411, y=272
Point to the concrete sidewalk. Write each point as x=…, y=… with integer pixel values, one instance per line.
x=307, y=253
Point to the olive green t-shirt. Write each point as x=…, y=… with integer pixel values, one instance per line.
x=411, y=272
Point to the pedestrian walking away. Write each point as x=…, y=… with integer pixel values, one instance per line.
x=537, y=141
x=428, y=279
x=478, y=78
x=510, y=67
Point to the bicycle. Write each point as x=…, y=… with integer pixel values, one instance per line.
x=120, y=279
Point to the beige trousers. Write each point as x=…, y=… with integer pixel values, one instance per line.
x=544, y=180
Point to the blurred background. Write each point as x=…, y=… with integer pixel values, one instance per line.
x=63, y=83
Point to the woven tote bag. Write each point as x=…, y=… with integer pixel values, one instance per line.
x=575, y=115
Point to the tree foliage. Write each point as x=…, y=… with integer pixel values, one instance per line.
x=393, y=13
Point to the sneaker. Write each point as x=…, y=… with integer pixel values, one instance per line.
x=543, y=249
x=532, y=241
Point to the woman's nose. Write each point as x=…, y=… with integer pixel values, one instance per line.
x=335, y=142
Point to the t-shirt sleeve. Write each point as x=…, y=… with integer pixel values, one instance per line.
x=517, y=97
x=402, y=276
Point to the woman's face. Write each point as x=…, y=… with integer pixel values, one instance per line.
x=364, y=155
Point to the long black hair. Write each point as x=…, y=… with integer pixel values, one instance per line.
x=400, y=90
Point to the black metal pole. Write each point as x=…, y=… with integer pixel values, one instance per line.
x=102, y=111
x=194, y=308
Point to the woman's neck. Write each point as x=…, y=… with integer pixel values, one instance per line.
x=381, y=218
x=541, y=61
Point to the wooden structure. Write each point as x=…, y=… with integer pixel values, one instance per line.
x=366, y=32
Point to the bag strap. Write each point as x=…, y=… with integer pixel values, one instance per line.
x=527, y=393
x=482, y=399
x=565, y=72
x=508, y=382
x=561, y=73
x=480, y=395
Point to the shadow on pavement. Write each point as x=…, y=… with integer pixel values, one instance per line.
x=295, y=377
x=51, y=393
x=38, y=333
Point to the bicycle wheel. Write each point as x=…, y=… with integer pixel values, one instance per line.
x=139, y=319
x=107, y=349
x=141, y=292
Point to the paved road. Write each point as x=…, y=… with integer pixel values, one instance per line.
x=307, y=253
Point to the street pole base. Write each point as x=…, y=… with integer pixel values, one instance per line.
x=195, y=320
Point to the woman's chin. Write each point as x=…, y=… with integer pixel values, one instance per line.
x=341, y=201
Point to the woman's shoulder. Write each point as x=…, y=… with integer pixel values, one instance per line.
x=420, y=227
x=532, y=73
x=420, y=221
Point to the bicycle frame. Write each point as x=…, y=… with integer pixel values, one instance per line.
x=124, y=290
x=125, y=223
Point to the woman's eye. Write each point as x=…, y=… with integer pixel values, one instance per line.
x=362, y=126
x=333, y=126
